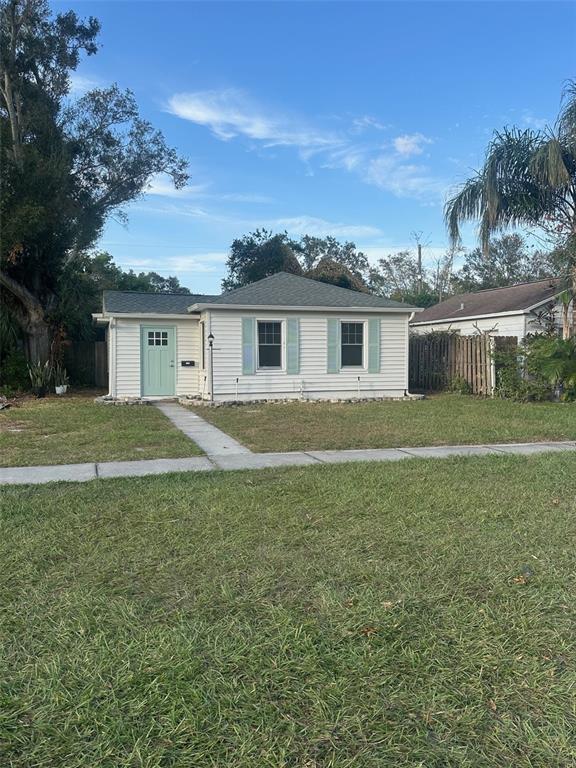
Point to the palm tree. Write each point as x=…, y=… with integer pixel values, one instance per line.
x=528, y=178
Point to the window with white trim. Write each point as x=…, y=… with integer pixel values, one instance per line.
x=269, y=344
x=352, y=345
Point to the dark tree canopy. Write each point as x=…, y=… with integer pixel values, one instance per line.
x=262, y=253
x=65, y=167
x=84, y=278
x=507, y=261
x=258, y=255
x=329, y=271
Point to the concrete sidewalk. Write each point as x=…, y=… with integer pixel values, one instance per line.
x=223, y=452
x=247, y=460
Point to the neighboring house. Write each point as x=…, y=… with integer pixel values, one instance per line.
x=282, y=337
x=513, y=311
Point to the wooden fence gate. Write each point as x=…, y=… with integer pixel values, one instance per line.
x=437, y=361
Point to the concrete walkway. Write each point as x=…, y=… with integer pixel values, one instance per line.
x=209, y=438
x=247, y=460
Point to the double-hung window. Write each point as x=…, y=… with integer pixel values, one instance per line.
x=352, y=345
x=269, y=344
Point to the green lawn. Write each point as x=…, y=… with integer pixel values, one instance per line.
x=411, y=614
x=438, y=420
x=74, y=429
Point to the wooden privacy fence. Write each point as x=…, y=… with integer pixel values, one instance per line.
x=437, y=361
x=87, y=363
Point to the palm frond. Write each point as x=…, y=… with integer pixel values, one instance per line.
x=466, y=204
x=566, y=123
x=506, y=192
x=549, y=165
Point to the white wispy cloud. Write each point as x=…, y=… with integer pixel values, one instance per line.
x=312, y=225
x=366, y=122
x=210, y=261
x=161, y=185
x=411, y=144
x=244, y=197
x=530, y=120
x=388, y=172
x=230, y=113
x=81, y=84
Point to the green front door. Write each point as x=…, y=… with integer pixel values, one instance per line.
x=158, y=360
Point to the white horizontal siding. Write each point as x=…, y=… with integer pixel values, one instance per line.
x=312, y=381
x=127, y=355
x=506, y=325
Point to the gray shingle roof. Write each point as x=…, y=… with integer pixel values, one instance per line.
x=510, y=299
x=279, y=290
x=140, y=303
x=286, y=290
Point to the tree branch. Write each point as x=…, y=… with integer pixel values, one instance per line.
x=21, y=293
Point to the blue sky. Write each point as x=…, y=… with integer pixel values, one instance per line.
x=346, y=118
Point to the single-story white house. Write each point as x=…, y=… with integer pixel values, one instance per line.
x=512, y=311
x=282, y=337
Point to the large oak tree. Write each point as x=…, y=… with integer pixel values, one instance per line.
x=65, y=166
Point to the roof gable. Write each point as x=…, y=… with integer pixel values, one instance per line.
x=513, y=298
x=286, y=290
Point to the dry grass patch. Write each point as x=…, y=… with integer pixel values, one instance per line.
x=74, y=429
x=438, y=420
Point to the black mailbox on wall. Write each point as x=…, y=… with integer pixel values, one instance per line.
x=187, y=363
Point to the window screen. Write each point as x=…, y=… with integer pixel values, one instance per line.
x=269, y=345
x=352, y=344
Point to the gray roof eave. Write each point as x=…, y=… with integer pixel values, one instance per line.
x=407, y=310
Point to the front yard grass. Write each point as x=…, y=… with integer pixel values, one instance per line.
x=74, y=429
x=419, y=613
x=437, y=420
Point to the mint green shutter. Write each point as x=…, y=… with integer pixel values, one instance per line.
x=293, y=345
x=374, y=345
x=248, y=346
x=333, y=345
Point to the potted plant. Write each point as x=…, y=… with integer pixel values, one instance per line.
x=40, y=375
x=60, y=380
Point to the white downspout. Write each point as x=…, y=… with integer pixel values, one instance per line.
x=112, y=373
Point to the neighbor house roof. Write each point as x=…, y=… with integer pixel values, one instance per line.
x=286, y=290
x=140, y=303
x=514, y=298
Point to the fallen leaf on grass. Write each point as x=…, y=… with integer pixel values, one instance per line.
x=368, y=631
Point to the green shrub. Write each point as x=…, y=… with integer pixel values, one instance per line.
x=541, y=368
x=460, y=386
x=554, y=361
x=14, y=372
